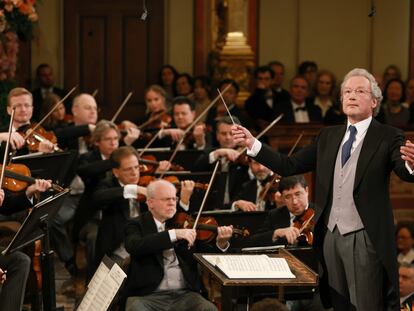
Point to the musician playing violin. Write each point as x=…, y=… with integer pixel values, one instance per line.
x=232, y=174
x=249, y=198
x=22, y=100
x=117, y=196
x=14, y=267
x=163, y=274
x=183, y=116
x=278, y=227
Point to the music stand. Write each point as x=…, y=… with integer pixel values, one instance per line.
x=35, y=227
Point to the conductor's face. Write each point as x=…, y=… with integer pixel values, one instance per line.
x=357, y=100
x=162, y=204
x=296, y=199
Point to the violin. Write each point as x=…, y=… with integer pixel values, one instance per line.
x=37, y=134
x=159, y=119
x=18, y=177
x=206, y=227
x=148, y=165
x=305, y=225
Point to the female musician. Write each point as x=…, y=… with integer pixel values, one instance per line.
x=156, y=99
x=57, y=118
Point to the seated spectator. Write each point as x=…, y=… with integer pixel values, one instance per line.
x=391, y=72
x=392, y=110
x=277, y=82
x=405, y=240
x=406, y=282
x=202, y=91
x=184, y=85
x=308, y=69
x=324, y=91
x=166, y=79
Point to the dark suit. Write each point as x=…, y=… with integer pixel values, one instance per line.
x=17, y=264
x=146, y=244
x=257, y=107
x=248, y=192
x=379, y=155
x=115, y=214
x=408, y=303
x=237, y=175
x=314, y=112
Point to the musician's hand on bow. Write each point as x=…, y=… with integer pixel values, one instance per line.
x=40, y=185
x=91, y=127
x=163, y=166
x=407, y=153
x=2, y=276
x=186, y=234
x=1, y=197
x=187, y=188
x=242, y=136
x=245, y=206
x=290, y=233
x=16, y=140
x=228, y=153
x=199, y=134
x=224, y=234
x=131, y=136
x=176, y=134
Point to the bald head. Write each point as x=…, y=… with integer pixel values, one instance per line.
x=84, y=109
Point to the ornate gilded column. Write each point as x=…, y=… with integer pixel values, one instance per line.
x=232, y=57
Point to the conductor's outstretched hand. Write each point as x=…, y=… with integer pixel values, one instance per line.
x=242, y=136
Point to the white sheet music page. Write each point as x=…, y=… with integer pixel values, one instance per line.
x=102, y=288
x=251, y=266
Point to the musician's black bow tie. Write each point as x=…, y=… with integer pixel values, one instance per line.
x=300, y=108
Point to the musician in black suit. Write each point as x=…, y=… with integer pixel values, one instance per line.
x=117, y=197
x=45, y=77
x=163, y=274
x=354, y=231
x=278, y=227
x=406, y=282
x=250, y=197
x=299, y=109
x=232, y=174
x=22, y=101
x=183, y=111
x=14, y=267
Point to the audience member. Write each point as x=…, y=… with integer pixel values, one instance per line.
x=405, y=240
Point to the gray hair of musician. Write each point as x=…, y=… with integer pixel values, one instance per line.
x=375, y=89
x=101, y=128
x=153, y=187
x=406, y=265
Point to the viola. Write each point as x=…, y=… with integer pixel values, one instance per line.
x=305, y=225
x=206, y=227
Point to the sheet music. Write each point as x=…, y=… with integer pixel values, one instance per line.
x=102, y=288
x=251, y=266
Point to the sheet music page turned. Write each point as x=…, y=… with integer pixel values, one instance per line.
x=251, y=266
x=102, y=288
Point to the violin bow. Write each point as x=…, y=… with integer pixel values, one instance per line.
x=206, y=194
x=152, y=119
x=306, y=223
x=194, y=123
x=150, y=142
x=277, y=176
x=49, y=113
x=6, y=151
x=94, y=93
x=122, y=106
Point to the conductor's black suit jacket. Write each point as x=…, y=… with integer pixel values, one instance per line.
x=380, y=154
